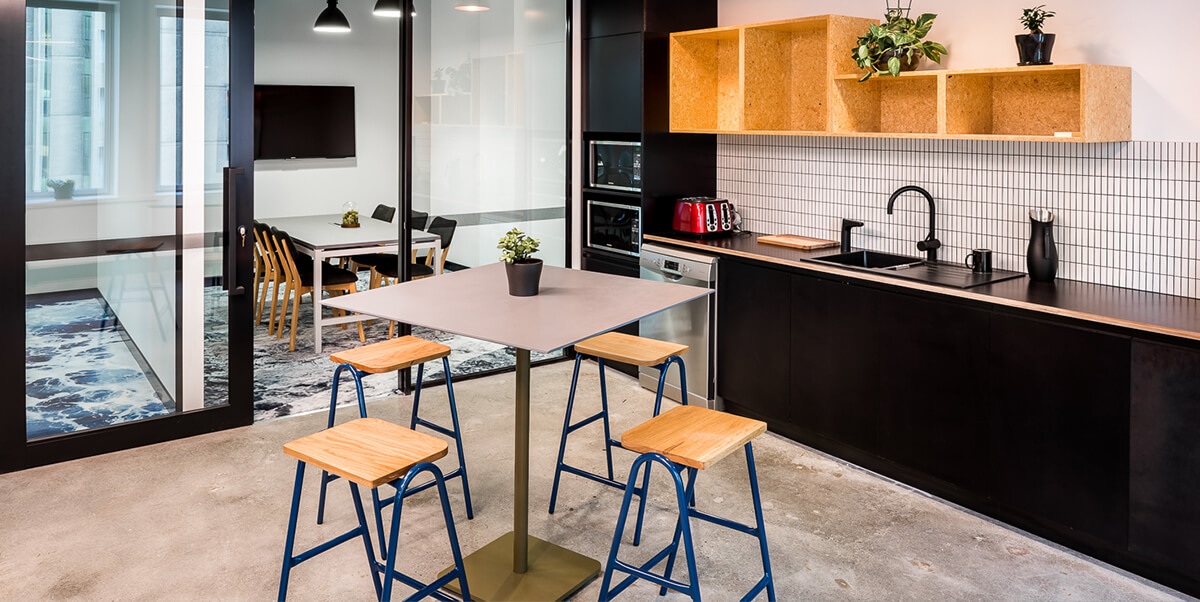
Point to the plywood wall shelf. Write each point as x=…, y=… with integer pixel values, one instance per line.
x=797, y=78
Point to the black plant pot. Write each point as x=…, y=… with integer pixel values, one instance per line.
x=523, y=277
x=1035, y=48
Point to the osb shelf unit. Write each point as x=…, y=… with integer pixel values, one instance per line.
x=796, y=77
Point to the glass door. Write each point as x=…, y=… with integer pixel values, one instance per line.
x=135, y=193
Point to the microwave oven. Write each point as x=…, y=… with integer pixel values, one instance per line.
x=614, y=227
x=615, y=165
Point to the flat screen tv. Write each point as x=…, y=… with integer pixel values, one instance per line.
x=303, y=122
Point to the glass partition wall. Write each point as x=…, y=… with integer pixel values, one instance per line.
x=129, y=287
x=489, y=135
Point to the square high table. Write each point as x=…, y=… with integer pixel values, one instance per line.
x=572, y=306
x=322, y=236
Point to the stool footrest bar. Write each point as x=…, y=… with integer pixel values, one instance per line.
x=724, y=522
x=333, y=543
x=436, y=427
x=598, y=478
x=586, y=421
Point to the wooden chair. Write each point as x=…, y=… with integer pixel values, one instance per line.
x=299, y=281
x=273, y=274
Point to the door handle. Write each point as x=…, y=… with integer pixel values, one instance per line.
x=233, y=233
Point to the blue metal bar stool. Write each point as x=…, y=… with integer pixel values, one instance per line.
x=687, y=439
x=370, y=452
x=389, y=356
x=630, y=349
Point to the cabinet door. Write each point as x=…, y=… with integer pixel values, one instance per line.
x=933, y=379
x=612, y=17
x=1059, y=425
x=753, y=319
x=835, y=354
x=593, y=262
x=614, y=84
x=1164, y=512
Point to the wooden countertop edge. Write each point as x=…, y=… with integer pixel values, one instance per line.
x=951, y=292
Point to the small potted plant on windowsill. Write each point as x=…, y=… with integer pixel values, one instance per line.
x=1034, y=47
x=63, y=189
x=896, y=46
x=524, y=272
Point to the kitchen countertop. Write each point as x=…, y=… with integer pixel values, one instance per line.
x=1153, y=312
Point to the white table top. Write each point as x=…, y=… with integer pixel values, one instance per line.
x=573, y=305
x=326, y=231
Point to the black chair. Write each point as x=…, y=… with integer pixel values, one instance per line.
x=384, y=213
x=419, y=219
x=389, y=267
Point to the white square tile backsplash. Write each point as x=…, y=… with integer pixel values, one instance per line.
x=1127, y=213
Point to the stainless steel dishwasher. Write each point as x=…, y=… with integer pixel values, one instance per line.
x=692, y=324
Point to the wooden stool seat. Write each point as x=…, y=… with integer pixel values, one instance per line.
x=629, y=349
x=368, y=451
x=692, y=436
x=391, y=355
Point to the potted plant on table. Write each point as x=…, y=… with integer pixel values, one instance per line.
x=63, y=189
x=524, y=272
x=1034, y=47
x=350, y=215
x=897, y=45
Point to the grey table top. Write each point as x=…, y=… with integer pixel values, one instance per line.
x=326, y=232
x=573, y=305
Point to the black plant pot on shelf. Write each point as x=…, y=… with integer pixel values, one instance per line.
x=523, y=277
x=1035, y=48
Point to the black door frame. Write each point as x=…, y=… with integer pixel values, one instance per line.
x=15, y=452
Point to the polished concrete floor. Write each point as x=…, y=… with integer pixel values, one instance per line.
x=204, y=518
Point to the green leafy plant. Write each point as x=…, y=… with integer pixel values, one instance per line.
x=1034, y=18
x=883, y=47
x=517, y=247
x=350, y=218
x=56, y=184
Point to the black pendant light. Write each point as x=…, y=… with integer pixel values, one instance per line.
x=389, y=8
x=473, y=6
x=331, y=20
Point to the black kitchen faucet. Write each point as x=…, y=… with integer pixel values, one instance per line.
x=931, y=244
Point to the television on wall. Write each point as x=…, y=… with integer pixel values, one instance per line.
x=303, y=122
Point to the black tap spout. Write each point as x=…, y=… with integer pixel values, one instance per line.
x=931, y=244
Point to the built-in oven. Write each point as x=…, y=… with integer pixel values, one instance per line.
x=615, y=165
x=614, y=227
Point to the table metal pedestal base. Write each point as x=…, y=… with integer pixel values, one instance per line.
x=554, y=573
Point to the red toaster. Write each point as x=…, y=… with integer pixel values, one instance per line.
x=703, y=215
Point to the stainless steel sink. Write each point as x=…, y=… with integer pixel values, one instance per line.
x=872, y=260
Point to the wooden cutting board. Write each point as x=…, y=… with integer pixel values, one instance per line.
x=797, y=242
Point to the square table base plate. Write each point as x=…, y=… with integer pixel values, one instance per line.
x=554, y=572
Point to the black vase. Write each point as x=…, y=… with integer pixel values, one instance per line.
x=523, y=277
x=1035, y=48
x=1042, y=257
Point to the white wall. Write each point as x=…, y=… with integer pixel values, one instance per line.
x=980, y=34
x=288, y=51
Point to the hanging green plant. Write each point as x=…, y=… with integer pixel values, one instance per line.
x=897, y=45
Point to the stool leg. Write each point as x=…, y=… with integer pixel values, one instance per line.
x=366, y=535
x=462, y=459
x=682, y=528
x=562, y=444
x=412, y=424
x=290, y=544
x=337, y=373
x=760, y=526
x=604, y=409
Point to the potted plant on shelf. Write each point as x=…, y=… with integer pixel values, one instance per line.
x=897, y=45
x=63, y=189
x=524, y=272
x=1034, y=47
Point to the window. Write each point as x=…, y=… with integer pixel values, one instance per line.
x=216, y=99
x=68, y=85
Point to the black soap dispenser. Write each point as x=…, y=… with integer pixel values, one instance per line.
x=1042, y=256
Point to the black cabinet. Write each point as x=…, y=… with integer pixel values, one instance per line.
x=753, y=316
x=594, y=261
x=933, y=380
x=1164, y=512
x=834, y=361
x=1058, y=423
x=614, y=83
x=612, y=17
